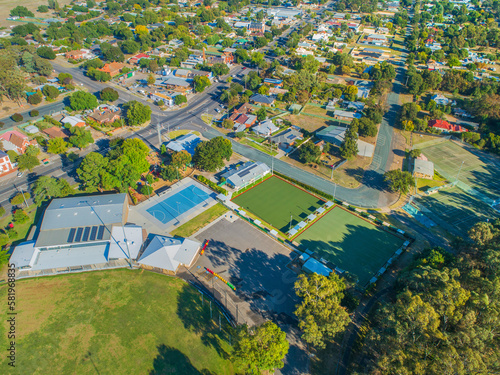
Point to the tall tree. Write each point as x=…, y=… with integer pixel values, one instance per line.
x=259, y=349
x=321, y=317
x=399, y=181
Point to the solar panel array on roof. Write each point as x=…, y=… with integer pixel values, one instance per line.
x=247, y=170
x=78, y=236
x=100, y=234
x=93, y=233
x=71, y=235
x=86, y=233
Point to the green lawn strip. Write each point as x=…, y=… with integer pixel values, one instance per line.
x=351, y=243
x=198, y=222
x=115, y=321
x=257, y=146
x=275, y=201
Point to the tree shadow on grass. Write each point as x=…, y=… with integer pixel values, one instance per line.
x=171, y=361
x=194, y=311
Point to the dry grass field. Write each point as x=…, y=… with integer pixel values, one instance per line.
x=6, y=6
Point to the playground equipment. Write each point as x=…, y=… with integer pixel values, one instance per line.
x=221, y=278
x=204, y=247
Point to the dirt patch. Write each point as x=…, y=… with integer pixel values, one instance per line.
x=309, y=123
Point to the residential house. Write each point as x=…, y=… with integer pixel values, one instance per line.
x=6, y=166
x=167, y=254
x=364, y=88
x=56, y=132
x=264, y=100
x=440, y=99
x=239, y=119
x=331, y=106
x=445, y=126
x=105, y=114
x=213, y=56
x=378, y=40
x=355, y=106
x=245, y=174
x=80, y=233
x=82, y=54
x=276, y=83
x=257, y=27
x=423, y=169
x=265, y=128
x=287, y=138
x=137, y=58
x=113, y=68
x=332, y=134
x=187, y=142
x=345, y=115
x=74, y=121
x=245, y=108
x=15, y=141
x=176, y=43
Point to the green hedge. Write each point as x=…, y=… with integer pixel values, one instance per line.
x=212, y=185
x=307, y=187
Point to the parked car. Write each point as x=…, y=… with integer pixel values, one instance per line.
x=20, y=174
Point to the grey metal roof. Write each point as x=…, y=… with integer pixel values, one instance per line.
x=332, y=134
x=23, y=254
x=75, y=212
x=125, y=240
x=346, y=114
x=245, y=173
x=259, y=98
x=73, y=256
x=288, y=136
x=168, y=253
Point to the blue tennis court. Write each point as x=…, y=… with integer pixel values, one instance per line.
x=177, y=204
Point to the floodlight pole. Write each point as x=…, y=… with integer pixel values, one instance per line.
x=458, y=174
x=334, y=191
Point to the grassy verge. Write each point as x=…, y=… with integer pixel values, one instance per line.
x=258, y=146
x=195, y=224
x=177, y=133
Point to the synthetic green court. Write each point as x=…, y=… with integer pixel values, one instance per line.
x=276, y=201
x=480, y=171
x=350, y=243
x=457, y=208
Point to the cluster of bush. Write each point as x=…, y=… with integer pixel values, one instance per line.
x=212, y=185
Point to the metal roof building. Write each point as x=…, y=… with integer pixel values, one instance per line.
x=186, y=142
x=245, y=174
x=80, y=233
x=168, y=253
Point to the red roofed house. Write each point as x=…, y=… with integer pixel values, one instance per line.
x=5, y=164
x=135, y=59
x=113, y=68
x=446, y=126
x=13, y=140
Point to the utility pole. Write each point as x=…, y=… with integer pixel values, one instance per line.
x=334, y=191
x=22, y=193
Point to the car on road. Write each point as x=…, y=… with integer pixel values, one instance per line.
x=217, y=110
x=20, y=174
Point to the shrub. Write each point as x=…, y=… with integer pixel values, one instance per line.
x=35, y=99
x=2, y=211
x=212, y=185
x=34, y=113
x=17, y=117
x=18, y=199
x=20, y=217
x=146, y=190
x=2, y=124
x=12, y=233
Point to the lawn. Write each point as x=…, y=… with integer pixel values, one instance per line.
x=474, y=168
x=277, y=202
x=315, y=110
x=198, y=222
x=6, y=6
x=258, y=146
x=350, y=243
x=114, y=322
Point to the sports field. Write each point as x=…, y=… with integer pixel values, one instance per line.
x=457, y=208
x=113, y=322
x=276, y=201
x=480, y=170
x=350, y=243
